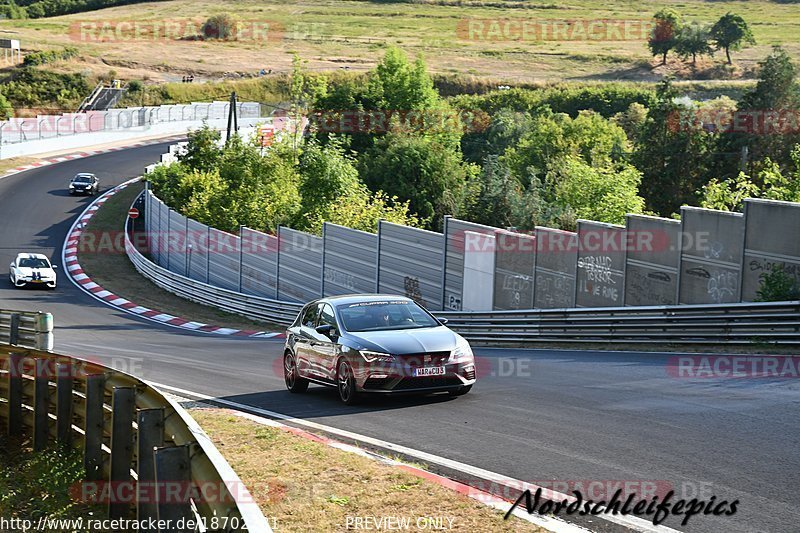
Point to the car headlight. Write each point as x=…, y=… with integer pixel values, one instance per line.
x=71, y=186
x=372, y=357
x=462, y=351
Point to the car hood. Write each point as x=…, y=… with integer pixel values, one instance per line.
x=406, y=341
x=45, y=272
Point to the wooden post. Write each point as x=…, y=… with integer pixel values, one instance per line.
x=173, y=467
x=151, y=436
x=41, y=405
x=64, y=403
x=122, y=408
x=15, y=394
x=93, y=447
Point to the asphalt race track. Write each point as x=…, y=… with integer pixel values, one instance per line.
x=537, y=416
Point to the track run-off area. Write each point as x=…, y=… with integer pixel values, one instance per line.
x=558, y=418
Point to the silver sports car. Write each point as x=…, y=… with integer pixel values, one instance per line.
x=375, y=344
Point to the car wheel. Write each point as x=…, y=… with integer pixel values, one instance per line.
x=290, y=375
x=461, y=392
x=346, y=383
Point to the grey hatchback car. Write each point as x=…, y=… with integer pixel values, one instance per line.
x=375, y=344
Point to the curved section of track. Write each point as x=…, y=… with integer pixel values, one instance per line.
x=538, y=416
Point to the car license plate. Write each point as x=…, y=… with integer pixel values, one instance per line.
x=429, y=371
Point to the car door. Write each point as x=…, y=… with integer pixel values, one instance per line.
x=302, y=347
x=325, y=347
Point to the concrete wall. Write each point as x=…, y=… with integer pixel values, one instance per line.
x=556, y=260
x=478, y=277
x=600, y=275
x=711, y=256
x=457, y=246
x=410, y=263
x=350, y=260
x=772, y=240
x=515, y=263
x=652, y=261
x=259, y=263
x=299, y=266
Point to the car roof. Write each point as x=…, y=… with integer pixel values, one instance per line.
x=84, y=175
x=23, y=255
x=358, y=298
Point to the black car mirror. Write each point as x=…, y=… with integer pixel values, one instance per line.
x=327, y=330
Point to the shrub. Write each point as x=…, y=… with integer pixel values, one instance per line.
x=222, y=26
x=778, y=286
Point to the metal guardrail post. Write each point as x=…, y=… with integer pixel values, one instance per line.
x=13, y=333
x=41, y=405
x=43, y=327
x=150, y=424
x=15, y=394
x=93, y=432
x=173, y=468
x=64, y=402
x=121, y=447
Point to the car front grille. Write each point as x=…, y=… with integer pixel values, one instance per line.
x=420, y=359
x=427, y=382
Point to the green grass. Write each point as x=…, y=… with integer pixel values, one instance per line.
x=332, y=34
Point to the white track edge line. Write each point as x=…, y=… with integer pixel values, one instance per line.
x=636, y=523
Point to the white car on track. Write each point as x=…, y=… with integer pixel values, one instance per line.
x=32, y=269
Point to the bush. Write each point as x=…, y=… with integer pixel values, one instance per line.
x=6, y=111
x=778, y=286
x=223, y=27
x=49, y=56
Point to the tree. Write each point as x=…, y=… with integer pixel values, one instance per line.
x=770, y=183
x=663, y=38
x=674, y=161
x=222, y=26
x=604, y=194
x=693, y=41
x=430, y=175
x=399, y=85
x=6, y=111
x=202, y=152
x=731, y=32
x=554, y=136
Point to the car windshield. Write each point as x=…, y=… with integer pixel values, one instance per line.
x=82, y=179
x=384, y=315
x=34, y=263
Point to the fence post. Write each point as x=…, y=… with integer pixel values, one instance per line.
x=241, y=258
x=64, y=402
x=43, y=326
x=150, y=437
x=41, y=405
x=93, y=447
x=15, y=394
x=173, y=466
x=121, y=447
x=322, y=280
x=378, y=260
x=13, y=333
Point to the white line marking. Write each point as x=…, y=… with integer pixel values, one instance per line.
x=632, y=522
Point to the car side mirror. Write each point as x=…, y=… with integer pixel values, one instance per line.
x=54, y=266
x=443, y=321
x=327, y=330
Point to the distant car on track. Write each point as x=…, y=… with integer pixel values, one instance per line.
x=375, y=344
x=84, y=183
x=32, y=269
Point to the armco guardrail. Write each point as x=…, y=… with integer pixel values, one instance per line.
x=737, y=323
x=122, y=424
x=253, y=307
x=742, y=323
x=27, y=329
